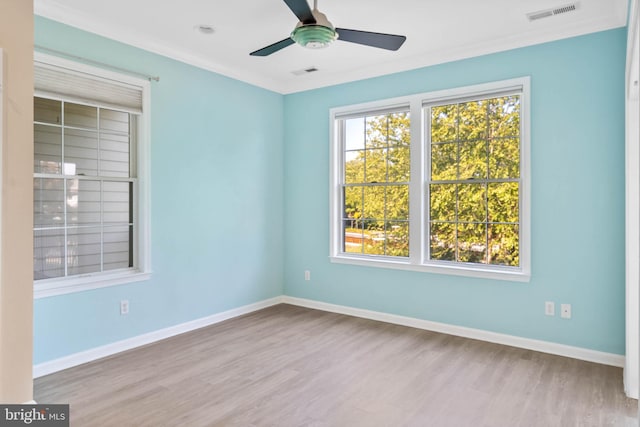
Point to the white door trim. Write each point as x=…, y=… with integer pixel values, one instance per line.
x=632, y=195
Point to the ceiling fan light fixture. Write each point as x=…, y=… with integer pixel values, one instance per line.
x=314, y=36
x=315, y=32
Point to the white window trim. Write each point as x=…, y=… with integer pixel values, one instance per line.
x=419, y=168
x=141, y=205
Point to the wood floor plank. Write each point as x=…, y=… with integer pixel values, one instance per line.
x=292, y=366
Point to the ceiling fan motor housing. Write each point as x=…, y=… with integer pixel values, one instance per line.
x=315, y=36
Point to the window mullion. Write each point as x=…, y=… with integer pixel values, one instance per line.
x=417, y=191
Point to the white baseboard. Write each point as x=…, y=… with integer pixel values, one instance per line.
x=478, y=334
x=75, y=359
x=461, y=331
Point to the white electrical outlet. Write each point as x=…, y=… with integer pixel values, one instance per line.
x=549, y=308
x=565, y=311
x=307, y=275
x=124, y=307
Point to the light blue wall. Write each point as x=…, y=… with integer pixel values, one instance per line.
x=216, y=180
x=240, y=189
x=577, y=149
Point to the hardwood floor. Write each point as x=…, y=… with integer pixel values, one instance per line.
x=292, y=366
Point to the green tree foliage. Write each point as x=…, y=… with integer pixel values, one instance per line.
x=376, y=206
x=475, y=221
x=474, y=190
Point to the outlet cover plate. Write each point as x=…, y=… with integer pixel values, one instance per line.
x=549, y=308
x=124, y=307
x=565, y=311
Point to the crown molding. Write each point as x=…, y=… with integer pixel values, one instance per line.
x=441, y=56
x=53, y=10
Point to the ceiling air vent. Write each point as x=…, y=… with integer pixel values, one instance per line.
x=305, y=71
x=534, y=16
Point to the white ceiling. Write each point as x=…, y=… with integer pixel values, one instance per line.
x=437, y=31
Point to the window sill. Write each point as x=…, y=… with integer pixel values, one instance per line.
x=60, y=286
x=455, y=270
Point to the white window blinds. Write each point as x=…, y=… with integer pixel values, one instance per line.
x=73, y=85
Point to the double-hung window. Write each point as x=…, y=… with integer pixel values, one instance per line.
x=435, y=182
x=90, y=185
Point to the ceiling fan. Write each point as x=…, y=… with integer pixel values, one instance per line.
x=315, y=31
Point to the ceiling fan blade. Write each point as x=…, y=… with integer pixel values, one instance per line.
x=301, y=9
x=272, y=48
x=383, y=41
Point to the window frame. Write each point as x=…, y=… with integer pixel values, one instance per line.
x=419, y=182
x=141, y=201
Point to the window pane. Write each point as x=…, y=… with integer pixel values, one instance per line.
x=83, y=250
x=82, y=222
x=472, y=240
x=374, y=238
x=353, y=203
x=353, y=236
x=47, y=149
x=376, y=166
x=444, y=161
x=443, y=241
x=114, y=121
x=48, y=202
x=83, y=202
x=354, y=134
x=504, y=161
x=473, y=160
x=83, y=116
x=473, y=120
x=377, y=151
x=116, y=205
x=374, y=202
x=80, y=152
x=504, y=116
x=377, y=131
x=503, y=202
x=397, y=236
x=114, y=155
x=399, y=129
x=397, y=203
x=472, y=205
x=486, y=146
x=354, y=167
x=117, y=247
x=48, y=254
x=443, y=202
x=444, y=123
x=47, y=111
x=399, y=164
x=504, y=244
